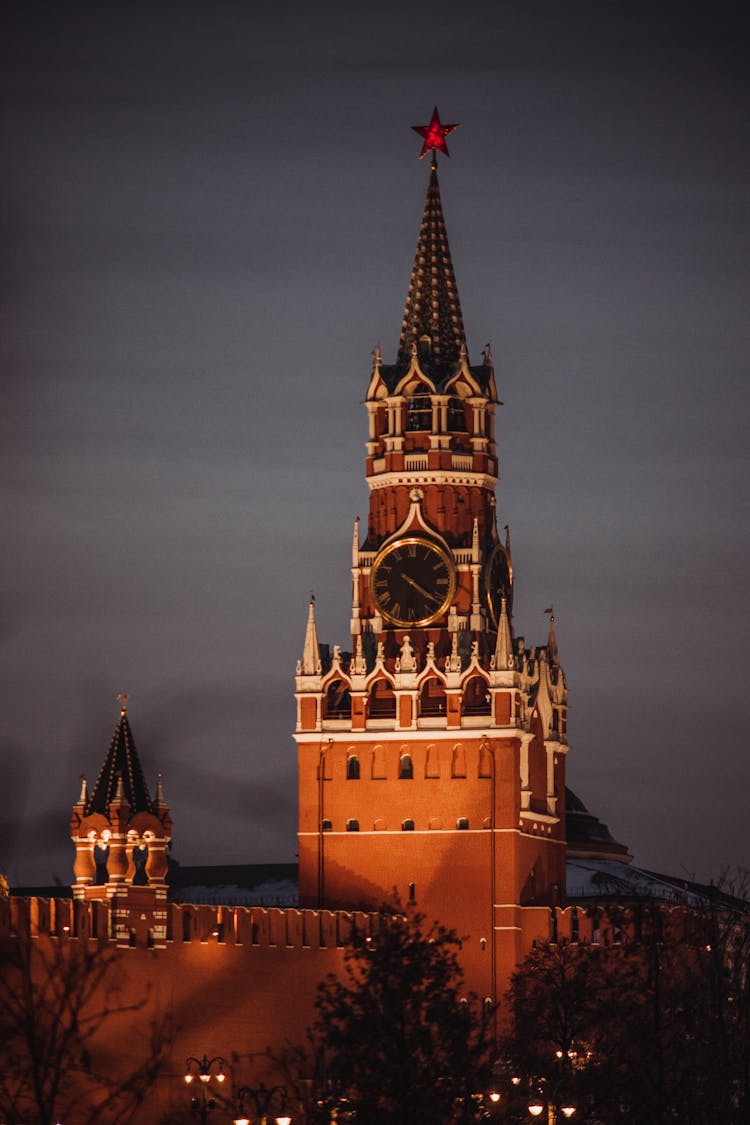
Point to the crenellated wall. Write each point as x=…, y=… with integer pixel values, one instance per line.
x=233, y=982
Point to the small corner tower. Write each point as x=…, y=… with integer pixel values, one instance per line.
x=121, y=836
x=432, y=755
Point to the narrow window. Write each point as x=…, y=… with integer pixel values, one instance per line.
x=186, y=925
x=326, y=826
x=352, y=826
x=406, y=767
x=411, y=892
x=575, y=934
x=352, y=768
x=462, y=823
x=407, y=825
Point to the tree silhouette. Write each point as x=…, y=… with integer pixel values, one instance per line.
x=396, y=1037
x=649, y=1029
x=57, y=996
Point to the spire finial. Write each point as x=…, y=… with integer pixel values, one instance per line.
x=310, y=663
x=433, y=137
x=552, y=650
x=122, y=699
x=504, y=645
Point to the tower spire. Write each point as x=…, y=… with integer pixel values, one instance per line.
x=432, y=315
x=310, y=663
x=122, y=768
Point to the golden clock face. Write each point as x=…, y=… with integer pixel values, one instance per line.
x=498, y=583
x=412, y=581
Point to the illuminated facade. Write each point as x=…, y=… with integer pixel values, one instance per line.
x=432, y=752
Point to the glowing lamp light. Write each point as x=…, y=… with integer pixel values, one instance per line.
x=536, y=1109
x=220, y=1077
x=494, y=1096
x=204, y=1077
x=283, y=1121
x=567, y=1110
x=242, y=1121
x=189, y=1078
x=516, y=1080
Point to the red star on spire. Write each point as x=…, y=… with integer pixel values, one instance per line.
x=434, y=134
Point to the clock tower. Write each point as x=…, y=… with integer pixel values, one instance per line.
x=432, y=752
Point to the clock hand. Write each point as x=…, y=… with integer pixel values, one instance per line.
x=420, y=589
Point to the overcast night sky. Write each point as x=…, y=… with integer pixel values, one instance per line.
x=209, y=216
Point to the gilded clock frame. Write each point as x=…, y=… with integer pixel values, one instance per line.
x=435, y=548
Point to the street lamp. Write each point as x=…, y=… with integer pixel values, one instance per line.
x=203, y=1072
x=537, y=1108
x=263, y=1099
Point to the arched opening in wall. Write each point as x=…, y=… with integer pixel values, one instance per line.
x=187, y=927
x=150, y=939
x=432, y=698
x=575, y=926
x=462, y=823
x=352, y=768
x=352, y=825
x=406, y=767
x=456, y=416
x=485, y=761
x=101, y=859
x=326, y=826
x=131, y=939
x=140, y=855
x=337, y=703
x=435, y=823
x=381, y=703
x=379, y=825
x=419, y=413
x=378, y=763
x=407, y=825
x=476, y=697
x=458, y=761
x=432, y=762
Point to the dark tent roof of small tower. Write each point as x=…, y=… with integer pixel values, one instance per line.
x=122, y=761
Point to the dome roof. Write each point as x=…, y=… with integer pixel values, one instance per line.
x=587, y=836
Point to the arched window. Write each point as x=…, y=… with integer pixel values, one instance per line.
x=462, y=823
x=476, y=697
x=456, y=416
x=432, y=697
x=140, y=855
x=338, y=701
x=101, y=856
x=407, y=825
x=458, y=761
x=406, y=767
x=352, y=767
x=432, y=762
x=382, y=701
x=186, y=925
x=419, y=414
x=352, y=826
x=378, y=763
x=485, y=761
x=326, y=826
